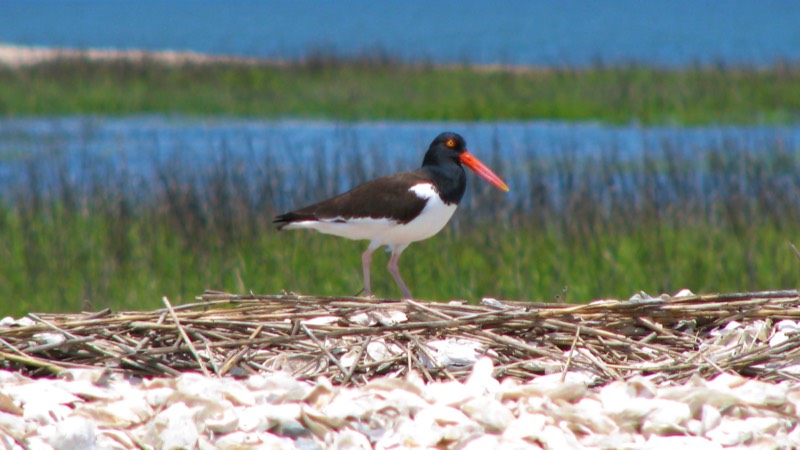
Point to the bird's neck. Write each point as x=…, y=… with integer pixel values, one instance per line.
x=448, y=179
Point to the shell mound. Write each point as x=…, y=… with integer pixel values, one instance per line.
x=234, y=371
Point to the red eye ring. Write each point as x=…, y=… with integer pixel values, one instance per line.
x=451, y=143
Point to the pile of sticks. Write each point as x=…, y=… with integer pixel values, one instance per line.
x=351, y=340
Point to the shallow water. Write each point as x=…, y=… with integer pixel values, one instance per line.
x=200, y=141
x=309, y=159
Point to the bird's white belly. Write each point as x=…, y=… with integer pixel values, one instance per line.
x=433, y=217
x=430, y=221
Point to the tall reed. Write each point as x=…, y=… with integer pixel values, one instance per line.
x=77, y=232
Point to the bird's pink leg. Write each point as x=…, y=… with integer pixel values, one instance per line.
x=395, y=270
x=366, y=261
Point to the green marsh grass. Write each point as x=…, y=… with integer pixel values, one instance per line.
x=381, y=88
x=601, y=229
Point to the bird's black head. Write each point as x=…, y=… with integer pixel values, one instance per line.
x=447, y=145
x=446, y=155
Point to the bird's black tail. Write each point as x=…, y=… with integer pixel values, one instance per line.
x=285, y=219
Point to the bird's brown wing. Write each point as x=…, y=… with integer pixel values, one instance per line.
x=386, y=197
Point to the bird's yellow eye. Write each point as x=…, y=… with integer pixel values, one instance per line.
x=451, y=143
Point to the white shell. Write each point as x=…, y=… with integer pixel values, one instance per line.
x=174, y=428
x=278, y=411
x=489, y=413
x=350, y=440
x=451, y=352
x=666, y=417
x=731, y=432
x=74, y=433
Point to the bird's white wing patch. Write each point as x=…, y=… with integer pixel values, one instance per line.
x=424, y=190
x=433, y=217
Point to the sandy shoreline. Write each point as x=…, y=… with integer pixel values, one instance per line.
x=22, y=56
x=18, y=56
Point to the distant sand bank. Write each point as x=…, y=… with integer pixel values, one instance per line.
x=20, y=56
x=23, y=56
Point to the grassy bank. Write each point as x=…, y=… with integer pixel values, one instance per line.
x=380, y=88
x=60, y=272
x=598, y=228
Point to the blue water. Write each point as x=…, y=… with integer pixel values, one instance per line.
x=540, y=32
x=198, y=140
x=141, y=148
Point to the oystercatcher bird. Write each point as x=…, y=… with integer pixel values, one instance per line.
x=399, y=209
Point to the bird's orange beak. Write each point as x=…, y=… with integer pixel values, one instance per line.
x=483, y=171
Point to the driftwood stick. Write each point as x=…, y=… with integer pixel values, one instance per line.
x=360, y=353
x=185, y=336
x=571, y=352
x=323, y=349
x=669, y=338
x=33, y=362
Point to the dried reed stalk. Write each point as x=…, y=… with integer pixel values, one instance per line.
x=350, y=340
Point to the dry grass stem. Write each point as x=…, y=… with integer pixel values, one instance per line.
x=351, y=340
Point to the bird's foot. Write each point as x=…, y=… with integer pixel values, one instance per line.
x=364, y=293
